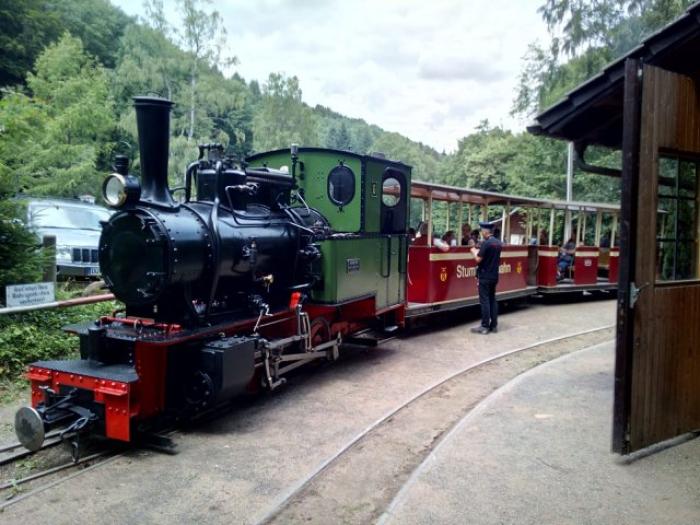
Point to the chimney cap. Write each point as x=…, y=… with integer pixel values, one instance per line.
x=152, y=101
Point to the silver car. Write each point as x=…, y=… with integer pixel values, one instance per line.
x=76, y=226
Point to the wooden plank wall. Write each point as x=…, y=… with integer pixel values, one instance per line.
x=665, y=399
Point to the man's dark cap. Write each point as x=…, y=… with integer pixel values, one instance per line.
x=486, y=226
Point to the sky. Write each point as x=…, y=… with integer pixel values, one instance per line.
x=428, y=69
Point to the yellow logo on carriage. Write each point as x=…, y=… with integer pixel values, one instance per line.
x=519, y=267
x=443, y=274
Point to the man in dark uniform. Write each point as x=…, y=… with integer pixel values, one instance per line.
x=488, y=259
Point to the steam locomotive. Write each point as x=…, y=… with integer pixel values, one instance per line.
x=255, y=270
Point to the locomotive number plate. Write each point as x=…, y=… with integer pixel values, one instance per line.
x=352, y=265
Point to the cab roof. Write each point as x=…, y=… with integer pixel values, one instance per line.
x=373, y=157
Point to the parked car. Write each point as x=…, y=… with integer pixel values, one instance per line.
x=76, y=226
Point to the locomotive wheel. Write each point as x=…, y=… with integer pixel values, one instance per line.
x=199, y=391
x=320, y=331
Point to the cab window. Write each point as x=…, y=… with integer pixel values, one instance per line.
x=341, y=185
x=394, y=207
x=391, y=192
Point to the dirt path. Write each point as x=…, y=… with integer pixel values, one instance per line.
x=357, y=487
x=237, y=469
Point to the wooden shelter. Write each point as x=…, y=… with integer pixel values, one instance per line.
x=647, y=104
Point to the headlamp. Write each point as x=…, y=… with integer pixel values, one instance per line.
x=119, y=190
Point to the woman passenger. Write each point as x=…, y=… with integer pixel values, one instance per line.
x=448, y=240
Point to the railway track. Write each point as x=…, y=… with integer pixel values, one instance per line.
x=293, y=504
x=373, y=466
x=8, y=454
x=13, y=457
x=11, y=489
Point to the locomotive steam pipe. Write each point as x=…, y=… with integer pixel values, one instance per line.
x=153, y=123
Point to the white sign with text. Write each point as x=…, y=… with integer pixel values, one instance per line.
x=29, y=294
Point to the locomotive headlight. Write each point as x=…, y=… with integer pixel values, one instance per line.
x=119, y=190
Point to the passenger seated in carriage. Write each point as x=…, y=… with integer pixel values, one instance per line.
x=566, y=258
x=411, y=235
x=466, y=234
x=470, y=237
x=421, y=237
x=447, y=241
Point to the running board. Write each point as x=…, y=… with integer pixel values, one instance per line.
x=371, y=338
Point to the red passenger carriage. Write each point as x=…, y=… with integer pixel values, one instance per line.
x=444, y=280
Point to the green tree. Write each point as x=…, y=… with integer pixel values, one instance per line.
x=26, y=26
x=615, y=25
x=97, y=23
x=482, y=159
x=585, y=35
x=203, y=36
x=362, y=139
x=148, y=62
x=282, y=118
x=58, y=138
x=21, y=260
x=426, y=164
x=339, y=137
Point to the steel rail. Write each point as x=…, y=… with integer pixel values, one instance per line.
x=477, y=410
x=12, y=446
x=42, y=488
x=51, y=442
x=283, y=500
x=59, y=468
x=43, y=473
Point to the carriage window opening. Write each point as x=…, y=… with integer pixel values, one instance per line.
x=391, y=192
x=341, y=185
x=677, y=219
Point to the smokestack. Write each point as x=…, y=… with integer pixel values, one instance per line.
x=153, y=122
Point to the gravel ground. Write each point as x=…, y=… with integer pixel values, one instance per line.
x=237, y=468
x=538, y=452
x=359, y=486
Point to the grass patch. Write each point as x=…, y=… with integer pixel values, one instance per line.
x=38, y=335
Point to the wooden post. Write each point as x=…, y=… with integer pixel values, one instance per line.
x=583, y=229
x=568, y=220
x=503, y=225
x=422, y=210
x=460, y=218
x=48, y=243
x=613, y=231
x=538, y=217
x=578, y=229
x=551, y=226
x=430, y=219
x=447, y=216
x=506, y=226
x=598, y=227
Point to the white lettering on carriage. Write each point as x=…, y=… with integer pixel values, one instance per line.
x=464, y=272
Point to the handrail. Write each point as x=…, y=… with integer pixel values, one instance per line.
x=66, y=303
